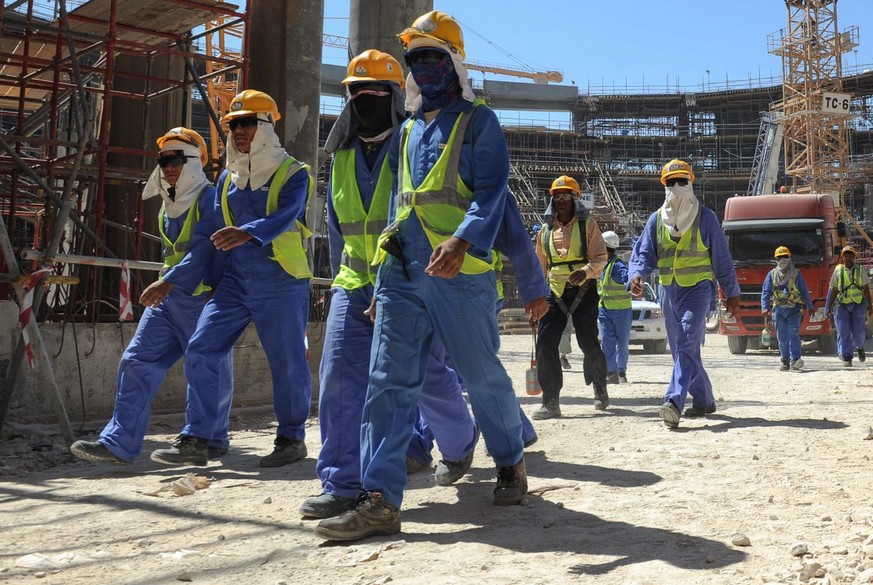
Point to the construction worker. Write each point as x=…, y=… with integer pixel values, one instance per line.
x=436, y=277
x=572, y=254
x=684, y=241
x=847, y=304
x=614, y=312
x=185, y=221
x=784, y=295
x=261, y=209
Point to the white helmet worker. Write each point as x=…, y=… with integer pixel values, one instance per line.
x=611, y=239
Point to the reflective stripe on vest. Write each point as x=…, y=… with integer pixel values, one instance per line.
x=851, y=285
x=687, y=262
x=288, y=246
x=360, y=228
x=561, y=268
x=787, y=295
x=441, y=201
x=613, y=295
x=174, y=252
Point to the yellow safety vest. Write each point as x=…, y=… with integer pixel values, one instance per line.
x=287, y=246
x=174, y=252
x=441, y=201
x=497, y=266
x=613, y=296
x=785, y=296
x=561, y=268
x=853, y=290
x=360, y=228
x=687, y=262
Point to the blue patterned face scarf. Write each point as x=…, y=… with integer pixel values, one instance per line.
x=437, y=79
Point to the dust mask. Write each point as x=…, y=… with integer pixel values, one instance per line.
x=783, y=263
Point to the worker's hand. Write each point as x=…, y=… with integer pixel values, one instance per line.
x=155, y=293
x=732, y=306
x=577, y=276
x=228, y=238
x=636, y=286
x=371, y=310
x=447, y=258
x=536, y=309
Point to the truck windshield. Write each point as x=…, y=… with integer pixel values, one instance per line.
x=757, y=247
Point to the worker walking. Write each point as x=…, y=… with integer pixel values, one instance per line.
x=436, y=278
x=185, y=221
x=784, y=295
x=572, y=254
x=684, y=241
x=614, y=312
x=261, y=208
x=847, y=304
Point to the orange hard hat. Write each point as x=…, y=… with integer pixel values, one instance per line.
x=373, y=65
x=252, y=102
x=436, y=26
x=676, y=168
x=782, y=251
x=187, y=136
x=564, y=182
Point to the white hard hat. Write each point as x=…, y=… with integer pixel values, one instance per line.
x=611, y=240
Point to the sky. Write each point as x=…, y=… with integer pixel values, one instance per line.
x=695, y=44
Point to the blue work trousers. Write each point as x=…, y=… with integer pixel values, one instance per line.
x=344, y=376
x=685, y=310
x=787, y=320
x=161, y=338
x=410, y=312
x=615, y=328
x=849, y=320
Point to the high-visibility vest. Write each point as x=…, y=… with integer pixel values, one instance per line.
x=851, y=285
x=360, y=228
x=577, y=255
x=287, y=246
x=174, y=252
x=613, y=296
x=441, y=201
x=787, y=295
x=497, y=266
x=687, y=262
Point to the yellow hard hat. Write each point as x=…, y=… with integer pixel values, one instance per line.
x=437, y=26
x=252, y=102
x=373, y=65
x=782, y=251
x=565, y=182
x=676, y=168
x=848, y=250
x=187, y=136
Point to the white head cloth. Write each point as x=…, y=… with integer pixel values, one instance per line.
x=263, y=159
x=191, y=181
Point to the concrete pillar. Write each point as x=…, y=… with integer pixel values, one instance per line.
x=374, y=24
x=285, y=52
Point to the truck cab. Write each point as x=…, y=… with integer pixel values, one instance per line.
x=755, y=226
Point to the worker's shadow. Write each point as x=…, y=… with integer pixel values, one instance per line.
x=721, y=423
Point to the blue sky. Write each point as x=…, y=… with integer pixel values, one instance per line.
x=629, y=42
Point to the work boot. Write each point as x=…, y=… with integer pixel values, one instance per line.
x=669, y=414
x=622, y=378
x=601, y=397
x=549, y=409
x=285, y=452
x=696, y=410
x=797, y=364
x=612, y=378
x=372, y=515
x=847, y=362
x=213, y=452
x=565, y=363
x=414, y=465
x=511, y=485
x=95, y=451
x=448, y=472
x=786, y=365
x=185, y=450
x=325, y=506
x=862, y=357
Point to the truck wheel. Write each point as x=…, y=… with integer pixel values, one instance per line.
x=827, y=344
x=737, y=344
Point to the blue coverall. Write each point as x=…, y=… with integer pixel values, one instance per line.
x=345, y=365
x=615, y=324
x=255, y=288
x=411, y=309
x=850, y=321
x=161, y=338
x=685, y=308
x=787, y=319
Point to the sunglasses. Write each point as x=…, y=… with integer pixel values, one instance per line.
x=172, y=160
x=680, y=182
x=562, y=197
x=427, y=56
x=244, y=122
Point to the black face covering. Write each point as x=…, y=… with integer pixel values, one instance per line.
x=374, y=113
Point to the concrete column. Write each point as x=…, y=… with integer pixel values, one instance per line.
x=374, y=24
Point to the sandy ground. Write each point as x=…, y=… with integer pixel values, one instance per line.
x=615, y=497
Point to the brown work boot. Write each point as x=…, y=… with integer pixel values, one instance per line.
x=372, y=515
x=601, y=397
x=511, y=485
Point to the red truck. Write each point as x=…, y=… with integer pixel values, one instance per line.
x=755, y=226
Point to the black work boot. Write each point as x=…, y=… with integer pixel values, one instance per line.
x=185, y=450
x=612, y=378
x=285, y=451
x=786, y=365
x=95, y=451
x=372, y=515
x=549, y=409
x=697, y=410
x=601, y=397
x=511, y=485
x=862, y=357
